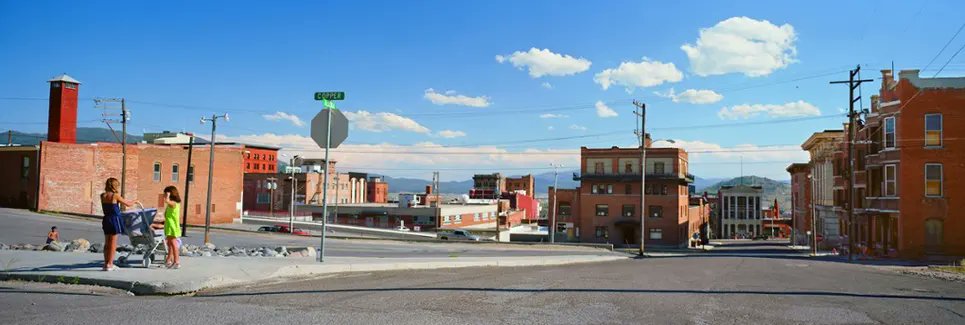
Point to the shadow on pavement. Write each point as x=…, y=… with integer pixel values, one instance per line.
x=576, y=290
x=12, y=290
x=92, y=266
x=785, y=255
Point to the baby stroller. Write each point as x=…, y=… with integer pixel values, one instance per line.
x=137, y=227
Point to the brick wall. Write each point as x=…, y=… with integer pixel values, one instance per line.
x=73, y=175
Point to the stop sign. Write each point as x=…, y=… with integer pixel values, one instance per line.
x=320, y=124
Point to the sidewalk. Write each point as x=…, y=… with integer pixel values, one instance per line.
x=199, y=273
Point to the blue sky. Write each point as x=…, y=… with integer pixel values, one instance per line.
x=256, y=60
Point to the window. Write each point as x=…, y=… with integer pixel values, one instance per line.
x=256, y=166
x=663, y=190
x=70, y=85
x=628, y=168
x=656, y=211
x=656, y=233
x=476, y=217
x=157, y=172
x=594, y=189
x=25, y=168
x=933, y=130
x=263, y=198
x=256, y=156
x=175, y=173
x=889, y=134
x=598, y=168
x=658, y=168
x=247, y=165
x=629, y=210
x=564, y=208
x=609, y=189
x=648, y=190
x=190, y=173
x=628, y=189
x=602, y=210
x=891, y=180
x=933, y=179
x=602, y=232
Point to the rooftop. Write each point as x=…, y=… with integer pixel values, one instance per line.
x=65, y=78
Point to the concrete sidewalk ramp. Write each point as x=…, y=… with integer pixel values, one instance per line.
x=199, y=273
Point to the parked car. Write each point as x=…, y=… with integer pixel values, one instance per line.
x=760, y=237
x=284, y=229
x=457, y=234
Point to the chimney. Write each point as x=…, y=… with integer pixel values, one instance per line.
x=428, y=189
x=887, y=80
x=647, y=141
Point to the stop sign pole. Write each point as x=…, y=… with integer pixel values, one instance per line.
x=342, y=125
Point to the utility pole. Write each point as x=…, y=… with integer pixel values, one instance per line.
x=814, y=215
x=207, y=209
x=294, y=182
x=187, y=187
x=104, y=103
x=642, y=134
x=272, y=184
x=9, y=138
x=435, y=192
x=552, y=223
x=338, y=187
x=852, y=85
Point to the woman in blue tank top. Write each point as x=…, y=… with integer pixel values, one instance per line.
x=112, y=224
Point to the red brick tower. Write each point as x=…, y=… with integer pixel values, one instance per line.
x=62, y=119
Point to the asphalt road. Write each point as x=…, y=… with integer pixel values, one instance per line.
x=716, y=288
x=21, y=226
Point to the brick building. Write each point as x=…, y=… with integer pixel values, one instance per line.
x=824, y=149
x=605, y=207
x=377, y=191
x=800, y=202
x=61, y=175
x=487, y=186
x=523, y=183
x=907, y=168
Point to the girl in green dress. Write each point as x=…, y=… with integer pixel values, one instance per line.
x=172, y=226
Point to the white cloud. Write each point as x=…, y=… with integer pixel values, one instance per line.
x=451, y=134
x=546, y=63
x=692, y=96
x=742, y=45
x=393, y=160
x=646, y=73
x=452, y=98
x=282, y=116
x=383, y=121
x=550, y=128
x=546, y=85
x=792, y=109
x=551, y=115
x=713, y=160
x=604, y=111
x=577, y=127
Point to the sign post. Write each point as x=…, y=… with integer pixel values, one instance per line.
x=329, y=129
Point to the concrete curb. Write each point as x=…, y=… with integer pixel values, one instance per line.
x=294, y=271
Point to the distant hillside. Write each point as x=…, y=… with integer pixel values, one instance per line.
x=545, y=180
x=84, y=135
x=701, y=183
x=414, y=185
x=781, y=190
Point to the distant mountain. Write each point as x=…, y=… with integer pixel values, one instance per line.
x=701, y=183
x=84, y=135
x=545, y=180
x=414, y=185
x=781, y=190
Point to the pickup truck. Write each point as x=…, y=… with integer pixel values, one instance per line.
x=457, y=234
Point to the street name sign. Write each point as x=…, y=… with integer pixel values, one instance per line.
x=330, y=95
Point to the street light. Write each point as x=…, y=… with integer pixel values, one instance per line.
x=643, y=185
x=291, y=209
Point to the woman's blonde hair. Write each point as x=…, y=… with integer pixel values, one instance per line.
x=111, y=185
